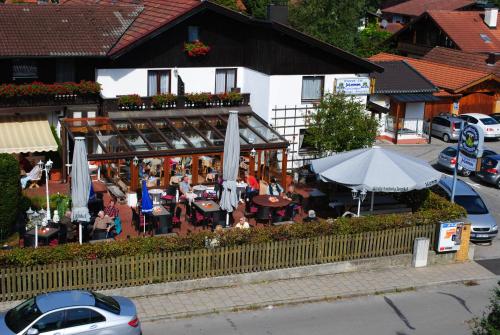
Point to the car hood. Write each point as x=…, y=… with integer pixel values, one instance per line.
x=127, y=307
x=481, y=220
x=4, y=330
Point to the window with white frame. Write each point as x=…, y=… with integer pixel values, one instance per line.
x=158, y=82
x=225, y=80
x=312, y=88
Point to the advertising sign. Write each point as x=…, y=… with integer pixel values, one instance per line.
x=470, y=146
x=449, y=237
x=353, y=86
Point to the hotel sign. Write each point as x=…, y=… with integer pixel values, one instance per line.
x=353, y=86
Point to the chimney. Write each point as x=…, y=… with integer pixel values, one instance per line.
x=491, y=17
x=278, y=11
x=493, y=57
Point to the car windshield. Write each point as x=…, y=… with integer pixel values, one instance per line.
x=489, y=121
x=472, y=204
x=22, y=315
x=107, y=303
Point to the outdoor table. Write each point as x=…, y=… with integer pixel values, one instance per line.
x=155, y=195
x=263, y=200
x=163, y=219
x=207, y=206
x=190, y=196
x=199, y=189
x=43, y=233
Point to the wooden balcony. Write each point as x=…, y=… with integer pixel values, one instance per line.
x=49, y=100
x=413, y=49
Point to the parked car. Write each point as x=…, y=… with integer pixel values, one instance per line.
x=484, y=226
x=490, y=170
x=490, y=126
x=448, y=158
x=447, y=127
x=72, y=313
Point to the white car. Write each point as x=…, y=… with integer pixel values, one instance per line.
x=490, y=126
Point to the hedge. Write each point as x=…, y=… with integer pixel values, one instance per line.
x=434, y=210
x=10, y=195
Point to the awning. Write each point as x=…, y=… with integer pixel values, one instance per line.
x=422, y=97
x=25, y=134
x=376, y=108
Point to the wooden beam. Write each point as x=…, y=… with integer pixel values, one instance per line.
x=198, y=132
x=259, y=164
x=194, y=169
x=166, y=171
x=134, y=177
x=251, y=165
x=170, y=124
x=284, y=161
x=158, y=131
x=141, y=135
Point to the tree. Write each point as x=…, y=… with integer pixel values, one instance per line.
x=341, y=124
x=257, y=8
x=332, y=21
x=490, y=324
x=370, y=41
x=228, y=3
x=11, y=193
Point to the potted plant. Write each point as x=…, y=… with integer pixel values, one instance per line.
x=198, y=99
x=166, y=100
x=196, y=48
x=230, y=99
x=130, y=102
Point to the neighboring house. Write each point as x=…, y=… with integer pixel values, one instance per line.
x=462, y=90
x=400, y=98
x=408, y=10
x=137, y=47
x=468, y=31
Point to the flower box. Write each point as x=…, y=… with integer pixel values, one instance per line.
x=196, y=49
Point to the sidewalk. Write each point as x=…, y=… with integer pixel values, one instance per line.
x=307, y=289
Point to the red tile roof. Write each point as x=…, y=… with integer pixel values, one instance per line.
x=67, y=30
x=418, y=7
x=393, y=27
x=462, y=59
x=466, y=30
x=443, y=76
x=156, y=14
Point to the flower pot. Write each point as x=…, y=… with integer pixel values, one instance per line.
x=55, y=175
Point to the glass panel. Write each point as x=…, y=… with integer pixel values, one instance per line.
x=176, y=140
x=220, y=81
x=108, y=137
x=189, y=132
x=152, y=136
x=262, y=129
x=152, y=89
x=207, y=131
x=230, y=80
x=312, y=88
x=131, y=135
x=193, y=32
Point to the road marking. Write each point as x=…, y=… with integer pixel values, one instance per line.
x=476, y=185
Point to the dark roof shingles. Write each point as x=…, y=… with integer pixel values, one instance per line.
x=400, y=77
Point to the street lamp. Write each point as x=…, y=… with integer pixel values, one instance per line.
x=135, y=161
x=360, y=196
x=46, y=167
x=34, y=219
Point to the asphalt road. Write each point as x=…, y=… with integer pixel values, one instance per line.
x=446, y=309
x=489, y=193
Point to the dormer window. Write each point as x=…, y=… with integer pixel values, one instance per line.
x=193, y=33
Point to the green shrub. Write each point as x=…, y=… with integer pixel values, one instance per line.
x=439, y=210
x=131, y=101
x=163, y=100
x=10, y=194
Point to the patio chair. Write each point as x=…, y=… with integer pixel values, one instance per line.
x=263, y=214
x=263, y=188
x=176, y=220
x=33, y=177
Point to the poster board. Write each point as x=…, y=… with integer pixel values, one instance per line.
x=449, y=236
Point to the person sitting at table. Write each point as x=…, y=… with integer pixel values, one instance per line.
x=311, y=216
x=68, y=226
x=242, y=223
x=275, y=189
x=102, y=225
x=295, y=198
x=111, y=210
x=184, y=186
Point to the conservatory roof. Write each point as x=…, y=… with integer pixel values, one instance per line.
x=169, y=135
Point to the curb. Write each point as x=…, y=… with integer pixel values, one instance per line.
x=291, y=302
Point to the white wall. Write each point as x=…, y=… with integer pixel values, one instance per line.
x=258, y=85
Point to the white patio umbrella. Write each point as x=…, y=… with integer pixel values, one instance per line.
x=377, y=169
x=80, y=185
x=229, y=197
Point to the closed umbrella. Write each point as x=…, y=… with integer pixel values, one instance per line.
x=80, y=185
x=230, y=168
x=146, y=203
x=377, y=169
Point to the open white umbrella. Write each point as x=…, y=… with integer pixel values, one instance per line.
x=80, y=185
x=229, y=197
x=377, y=169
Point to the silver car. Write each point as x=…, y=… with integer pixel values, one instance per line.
x=72, y=313
x=484, y=226
x=448, y=158
x=447, y=127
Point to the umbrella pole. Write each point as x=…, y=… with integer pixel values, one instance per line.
x=80, y=233
x=373, y=198
x=359, y=207
x=227, y=219
x=144, y=224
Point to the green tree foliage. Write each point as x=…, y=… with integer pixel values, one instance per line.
x=257, y=8
x=227, y=3
x=489, y=324
x=332, y=21
x=370, y=41
x=11, y=193
x=341, y=124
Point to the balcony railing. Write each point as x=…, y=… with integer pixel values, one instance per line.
x=180, y=102
x=49, y=100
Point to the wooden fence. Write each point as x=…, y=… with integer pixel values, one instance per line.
x=23, y=282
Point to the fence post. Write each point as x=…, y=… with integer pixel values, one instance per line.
x=463, y=253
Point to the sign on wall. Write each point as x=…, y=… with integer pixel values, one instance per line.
x=450, y=234
x=353, y=86
x=470, y=146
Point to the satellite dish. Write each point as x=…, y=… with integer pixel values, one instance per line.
x=384, y=23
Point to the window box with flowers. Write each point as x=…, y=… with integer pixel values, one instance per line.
x=229, y=98
x=198, y=99
x=164, y=101
x=130, y=102
x=196, y=48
